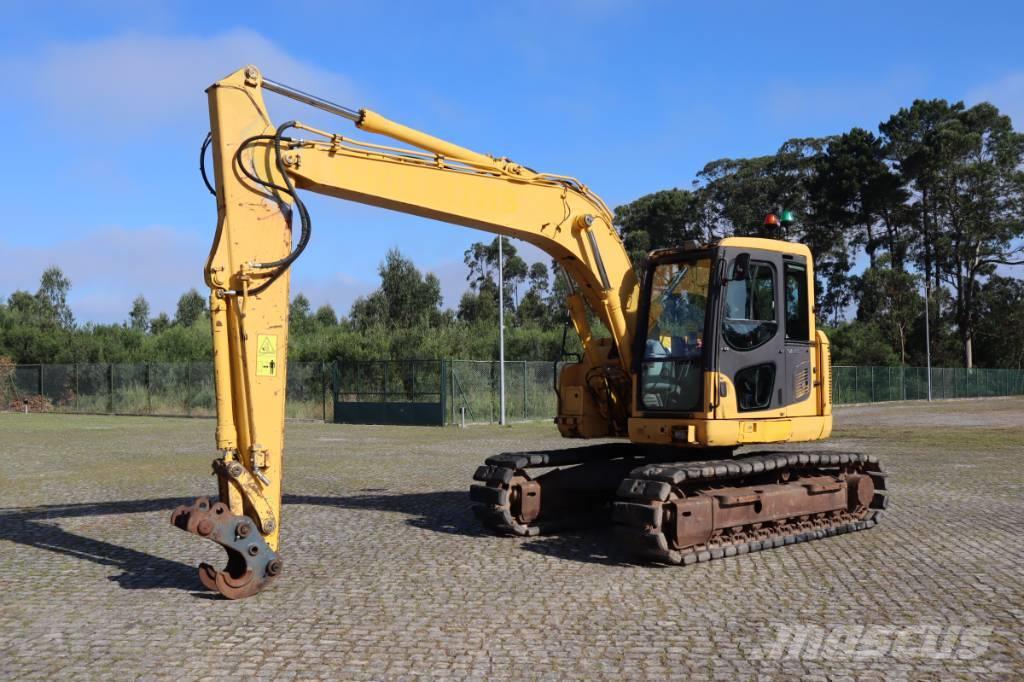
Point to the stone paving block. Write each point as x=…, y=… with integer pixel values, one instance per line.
x=388, y=576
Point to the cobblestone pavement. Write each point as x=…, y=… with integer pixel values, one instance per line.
x=387, y=575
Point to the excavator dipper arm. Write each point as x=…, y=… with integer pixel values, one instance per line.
x=259, y=168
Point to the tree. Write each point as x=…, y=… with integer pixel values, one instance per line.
x=159, y=324
x=980, y=198
x=191, y=307
x=139, y=315
x=534, y=306
x=479, y=306
x=299, y=309
x=889, y=298
x=1000, y=330
x=514, y=272
x=30, y=309
x=910, y=139
x=658, y=220
x=299, y=317
x=325, y=316
x=854, y=189
x=538, y=277
x=479, y=263
x=482, y=261
x=860, y=343
x=738, y=193
x=53, y=291
x=405, y=298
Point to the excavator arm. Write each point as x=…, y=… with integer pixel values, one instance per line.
x=259, y=169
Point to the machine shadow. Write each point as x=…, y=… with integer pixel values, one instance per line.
x=442, y=512
x=34, y=527
x=450, y=512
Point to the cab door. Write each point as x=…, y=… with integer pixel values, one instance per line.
x=752, y=340
x=798, y=329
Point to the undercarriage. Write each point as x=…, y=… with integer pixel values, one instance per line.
x=682, y=512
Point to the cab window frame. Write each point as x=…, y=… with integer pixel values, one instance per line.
x=778, y=324
x=643, y=314
x=803, y=322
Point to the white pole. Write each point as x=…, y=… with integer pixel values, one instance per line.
x=501, y=334
x=928, y=339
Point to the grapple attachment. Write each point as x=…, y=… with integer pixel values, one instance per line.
x=251, y=566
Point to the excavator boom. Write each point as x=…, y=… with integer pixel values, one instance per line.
x=257, y=172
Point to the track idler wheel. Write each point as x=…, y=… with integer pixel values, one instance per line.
x=251, y=566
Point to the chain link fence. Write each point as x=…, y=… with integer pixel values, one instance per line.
x=473, y=387
x=883, y=384
x=470, y=387
x=169, y=389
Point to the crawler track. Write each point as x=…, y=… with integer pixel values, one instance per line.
x=808, y=495
x=643, y=513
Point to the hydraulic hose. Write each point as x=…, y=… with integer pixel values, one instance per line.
x=281, y=265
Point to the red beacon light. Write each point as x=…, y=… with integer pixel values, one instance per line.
x=771, y=220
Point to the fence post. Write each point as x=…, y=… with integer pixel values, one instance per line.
x=524, y=390
x=323, y=387
x=110, y=388
x=149, y=380
x=188, y=387
x=76, y=387
x=40, y=379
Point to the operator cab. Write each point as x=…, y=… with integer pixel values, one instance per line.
x=739, y=307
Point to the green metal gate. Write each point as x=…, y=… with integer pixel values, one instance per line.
x=399, y=392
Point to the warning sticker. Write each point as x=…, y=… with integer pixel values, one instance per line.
x=266, y=355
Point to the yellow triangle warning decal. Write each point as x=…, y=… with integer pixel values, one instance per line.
x=267, y=344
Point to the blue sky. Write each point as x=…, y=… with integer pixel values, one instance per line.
x=105, y=102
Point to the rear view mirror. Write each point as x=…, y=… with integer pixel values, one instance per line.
x=740, y=267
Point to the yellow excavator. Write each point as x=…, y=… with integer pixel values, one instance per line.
x=713, y=348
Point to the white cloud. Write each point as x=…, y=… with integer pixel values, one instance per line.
x=1007, y=93
x=140, y=81
x=110, y=266
x=335, y=289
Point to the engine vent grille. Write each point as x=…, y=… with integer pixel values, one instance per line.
x=802, y=382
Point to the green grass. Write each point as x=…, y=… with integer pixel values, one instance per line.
x=940, y=437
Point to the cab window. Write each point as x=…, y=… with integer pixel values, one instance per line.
x=797, y=327
x=750, y=308
x=671, y=373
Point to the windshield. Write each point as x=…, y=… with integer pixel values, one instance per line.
x=672, y=375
